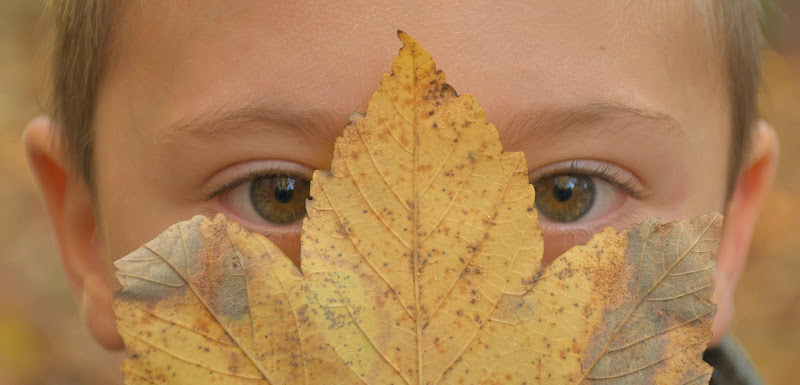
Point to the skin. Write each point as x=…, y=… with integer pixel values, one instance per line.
x=637, y=89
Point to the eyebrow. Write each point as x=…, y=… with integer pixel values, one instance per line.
x=547, y=124
x=309, y=124
x=544, y=124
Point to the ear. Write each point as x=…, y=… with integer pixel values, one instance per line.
x=752, y=186
x=69, y=206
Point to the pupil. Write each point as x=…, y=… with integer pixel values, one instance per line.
x=562, y=188
x=284, y=190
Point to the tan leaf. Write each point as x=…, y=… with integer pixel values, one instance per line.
x=420, y=265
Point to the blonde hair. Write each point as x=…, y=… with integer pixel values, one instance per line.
x=82, y=45
x=736, y=24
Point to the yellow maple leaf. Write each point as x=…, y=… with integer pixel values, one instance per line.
x=420, y=265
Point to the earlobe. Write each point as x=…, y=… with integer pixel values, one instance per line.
x=750, y=190
x=72, y=217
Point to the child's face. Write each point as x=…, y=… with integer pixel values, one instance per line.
x=201, y=94
x=627, y=104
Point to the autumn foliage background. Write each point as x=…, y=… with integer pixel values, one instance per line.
x=42, y=340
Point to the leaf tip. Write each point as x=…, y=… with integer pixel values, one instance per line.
x=407, y=40
x=354, y=116
x=711, y=221
x=716, y=218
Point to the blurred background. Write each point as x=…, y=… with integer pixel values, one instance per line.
x=42, y=340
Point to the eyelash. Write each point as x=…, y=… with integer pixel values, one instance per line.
x=604, y=171
x=275, y=172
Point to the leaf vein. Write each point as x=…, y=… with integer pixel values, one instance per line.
x=475, y=253
x=121, y=274
x=142, y=308
x=219, y=321
x=294, y=317
x=631, y=371
x=367, y=261
x=380, y=172
x=659, y=299
x=667, y=330
x=657, y=282
x=246, y=291
x=366, y=335
x=386, y=126
x=184, y=359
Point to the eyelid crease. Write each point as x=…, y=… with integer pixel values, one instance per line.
x=603, y=171
x=250, y=175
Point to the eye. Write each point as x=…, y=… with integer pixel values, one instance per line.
x=279, y=199
x=581, y=191
x=270, y=196
x=565, y=198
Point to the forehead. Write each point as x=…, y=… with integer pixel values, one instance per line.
x=186, y=57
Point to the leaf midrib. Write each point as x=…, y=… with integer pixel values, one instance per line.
x=415, y=218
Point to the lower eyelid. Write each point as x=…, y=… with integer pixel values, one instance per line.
x=576, y=233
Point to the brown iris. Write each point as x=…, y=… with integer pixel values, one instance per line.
x=565, y=198
x=279, y=199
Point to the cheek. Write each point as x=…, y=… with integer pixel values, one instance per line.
x=556, y=243
x=127, y=226
x=289, y=243
x=132, y=208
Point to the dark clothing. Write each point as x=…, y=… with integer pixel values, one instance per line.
x=731, y=364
